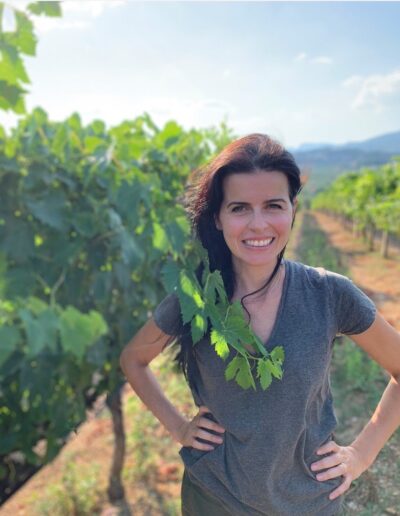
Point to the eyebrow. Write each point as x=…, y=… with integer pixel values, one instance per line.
x=246, y=203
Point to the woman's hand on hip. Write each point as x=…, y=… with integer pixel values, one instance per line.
x=343, y=461
x=198, y=428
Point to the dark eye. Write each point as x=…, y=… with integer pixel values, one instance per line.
x=276, y=206
x=237, y=208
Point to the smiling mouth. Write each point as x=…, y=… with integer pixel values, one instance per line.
x=258, y=243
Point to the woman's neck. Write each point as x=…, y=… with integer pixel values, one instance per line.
x=249, y=279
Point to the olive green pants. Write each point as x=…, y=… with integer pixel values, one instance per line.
x=196, y=502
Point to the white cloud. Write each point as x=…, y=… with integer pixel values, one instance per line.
x=353, y=80
x=322, y=60
x=300, y=57
x=375, y=89
x=43, y=25
x=93, y=7
x=317, y=60
x=75, y=15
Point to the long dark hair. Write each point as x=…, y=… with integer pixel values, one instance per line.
x=203, y=199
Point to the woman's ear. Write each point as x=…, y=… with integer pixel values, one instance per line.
x=217, y=222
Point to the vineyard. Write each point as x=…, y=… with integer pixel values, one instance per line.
x=368, y=201
x=91, y=217
x=87, y=218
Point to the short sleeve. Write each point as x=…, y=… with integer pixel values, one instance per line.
x=167, y=315
x=354, y=310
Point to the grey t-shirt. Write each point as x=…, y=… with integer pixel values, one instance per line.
x=263, y=465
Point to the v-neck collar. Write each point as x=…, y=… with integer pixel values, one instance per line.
x=281, y=303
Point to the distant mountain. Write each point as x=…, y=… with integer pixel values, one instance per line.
x=389, y=142
x=304, y=147
x=322, y=163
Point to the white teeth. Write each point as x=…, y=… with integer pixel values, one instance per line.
x=258, y=243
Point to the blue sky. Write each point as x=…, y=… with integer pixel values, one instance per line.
x=299, y=71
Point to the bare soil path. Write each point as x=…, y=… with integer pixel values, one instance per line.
x=378, y=277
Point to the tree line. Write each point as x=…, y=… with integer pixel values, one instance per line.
x=367, y=200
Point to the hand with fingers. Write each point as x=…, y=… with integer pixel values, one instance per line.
x=199, y=428
x=343, y=461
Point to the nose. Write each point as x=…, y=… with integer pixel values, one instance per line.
x=258, y=220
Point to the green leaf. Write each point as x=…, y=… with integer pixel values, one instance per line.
x=210, y=293
x=189, y=297
x=84, y=223
x=177, y=234
x=35, y=305
x=12, y=68
x=11, y=97
x=238, y=325
x=244, y=378
x=92, y=143
x=79, y=331
x=259, y=345
x=232, y=368
x=217, y=282
x=126, y=197
x=220, y=344
x=278, y=354
x=47, y=8
x=170, y=276
x=216, y=313
x=132, y=254
x=274, y=368
x=198, y=327
x=170, y=134
x=18, y=242
x=239, y=368
x=9, y=337
x=50, y=209
x=189, y=287
x=25, y=38
x=264, y=374
x=160, y=239
x=235, y=342
x=40, y=331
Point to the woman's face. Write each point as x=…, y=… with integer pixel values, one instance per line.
x=255, y=209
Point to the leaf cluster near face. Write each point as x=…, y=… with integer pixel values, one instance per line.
x=207, y=302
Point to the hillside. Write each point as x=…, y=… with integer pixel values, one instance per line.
x=324, y=162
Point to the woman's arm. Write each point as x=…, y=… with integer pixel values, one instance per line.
x=382, y=343
x=135, y=358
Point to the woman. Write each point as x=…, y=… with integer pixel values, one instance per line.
x=266, y=452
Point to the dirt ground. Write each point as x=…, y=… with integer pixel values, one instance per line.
x=378, y=277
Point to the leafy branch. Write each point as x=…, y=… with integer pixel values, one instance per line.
x=13, y=44
x=206, y=303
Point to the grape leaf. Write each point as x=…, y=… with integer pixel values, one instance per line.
x=170, y=275
x=232, y=368
x=244, y=378
x=278, y=354
x=220, y=343
x=198, y=327
x=274, y=368
x=264, y=374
